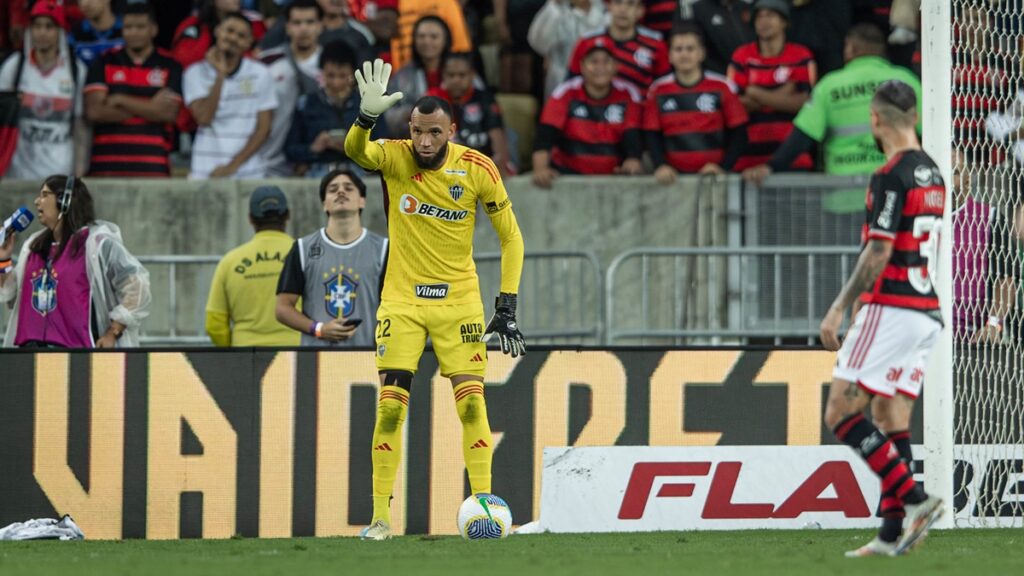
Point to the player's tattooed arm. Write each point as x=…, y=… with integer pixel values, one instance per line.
x=872, y=261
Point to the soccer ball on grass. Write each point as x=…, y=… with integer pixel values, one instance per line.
x=484, y=516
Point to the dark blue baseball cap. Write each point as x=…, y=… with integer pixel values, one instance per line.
x=267, y=201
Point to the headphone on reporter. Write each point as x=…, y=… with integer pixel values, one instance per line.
x=64, y=204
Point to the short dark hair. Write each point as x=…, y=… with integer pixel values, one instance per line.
x=303, y=5
x=896, y=93
x=429, y=104
x=239, y=16
x=337, y=52
x=687, y=29
x=326, y=181
x=466, y=57
x=895, y=102
x=272, y=221
x=868, y=35
x=141, y=8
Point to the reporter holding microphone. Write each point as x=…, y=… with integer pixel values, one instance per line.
x=74, y=285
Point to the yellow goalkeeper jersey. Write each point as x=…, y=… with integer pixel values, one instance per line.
x=431, y=218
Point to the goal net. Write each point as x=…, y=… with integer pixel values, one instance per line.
x=986, y=109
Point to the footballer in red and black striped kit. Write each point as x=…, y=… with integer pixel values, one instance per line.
x=132, y=96
x=904, y=202
x=775, y=78
x=640, y=52
x=693, y=120
x=882, y=360
x=590, y=125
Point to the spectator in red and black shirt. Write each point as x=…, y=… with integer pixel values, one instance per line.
x=693, y=120
x=640, y=52
x=660, y=14
x=590, y=125
x=132, y=96
x=775, y=78
x=477, y=119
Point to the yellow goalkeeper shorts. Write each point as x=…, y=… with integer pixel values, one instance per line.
x=455, y=331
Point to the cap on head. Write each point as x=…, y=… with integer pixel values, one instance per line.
x=49, y=9
x=780, y=6
x=597, y=45
x=267, y=201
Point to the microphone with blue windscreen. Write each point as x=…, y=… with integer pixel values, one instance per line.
x=16, y=222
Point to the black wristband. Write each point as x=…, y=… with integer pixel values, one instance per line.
x=364, y=121
x=506, y=302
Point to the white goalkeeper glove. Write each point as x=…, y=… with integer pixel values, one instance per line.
x=373, y=85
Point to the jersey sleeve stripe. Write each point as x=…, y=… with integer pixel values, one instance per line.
x=475, y=159
x=473, y=155
x=478, y=156
x=484, y=166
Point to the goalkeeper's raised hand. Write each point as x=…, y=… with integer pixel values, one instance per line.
x=373, y=85
x=503, y=323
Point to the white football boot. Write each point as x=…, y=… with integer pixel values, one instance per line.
x=874, y=548
x=379, y=530
x=922, y=516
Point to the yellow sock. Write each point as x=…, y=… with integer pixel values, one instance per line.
x=392, y=405
x=477, y=444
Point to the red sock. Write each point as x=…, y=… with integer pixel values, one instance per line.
x=882, y=456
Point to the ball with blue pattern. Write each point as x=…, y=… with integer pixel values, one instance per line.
x=484, y=517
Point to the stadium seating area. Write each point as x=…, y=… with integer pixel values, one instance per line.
x=132, y=78
x=511, y=60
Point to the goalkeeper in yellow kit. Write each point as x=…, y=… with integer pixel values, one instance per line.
x=431, y=191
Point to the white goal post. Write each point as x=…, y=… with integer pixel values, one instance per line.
x=973, y=124
x=937, y=128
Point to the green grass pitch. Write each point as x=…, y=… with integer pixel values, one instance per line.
x=789, y=553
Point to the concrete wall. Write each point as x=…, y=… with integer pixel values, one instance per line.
x=605, y=216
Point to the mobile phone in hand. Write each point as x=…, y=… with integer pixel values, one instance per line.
x=353, y=322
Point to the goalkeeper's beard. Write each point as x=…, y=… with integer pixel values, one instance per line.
x=433, y=162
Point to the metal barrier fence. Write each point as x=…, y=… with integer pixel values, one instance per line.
x=182, y=320
x=173, y=320
x=674, y=296
x=560, y=296
x=744, y=263
x=664, y=296
x=804, y=210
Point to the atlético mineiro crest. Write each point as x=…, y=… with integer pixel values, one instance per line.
x=455, y=191
x=44, y=292
x=340, y=293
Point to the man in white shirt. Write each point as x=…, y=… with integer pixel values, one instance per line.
x=295, y=72
x=556, y=28
x=50, y=82
x=232, y=100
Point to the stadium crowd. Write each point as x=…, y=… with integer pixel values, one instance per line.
x=254, y=88
x=250, y=89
